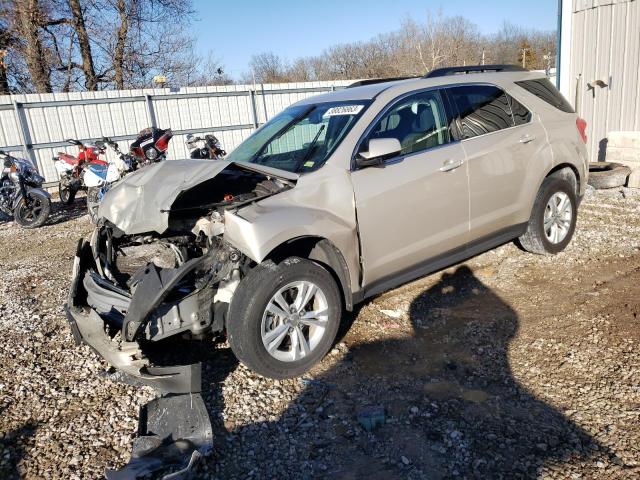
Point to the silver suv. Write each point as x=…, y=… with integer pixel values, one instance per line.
x=336, y=199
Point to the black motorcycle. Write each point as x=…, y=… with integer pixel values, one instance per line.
x=207, y=147
x=151, y=146
x=21, y=193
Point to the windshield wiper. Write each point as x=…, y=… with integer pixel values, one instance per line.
x=302, y=114
x=310, y=148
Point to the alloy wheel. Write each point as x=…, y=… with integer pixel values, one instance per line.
x=294, y=321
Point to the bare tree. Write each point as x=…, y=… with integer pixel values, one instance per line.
x=29, y=19
x=91, y=79
x=267, y=67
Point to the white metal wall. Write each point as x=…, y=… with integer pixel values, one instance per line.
x=604, y=38
x=36, y=125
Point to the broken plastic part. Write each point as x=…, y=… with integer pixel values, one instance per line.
x=174, y=432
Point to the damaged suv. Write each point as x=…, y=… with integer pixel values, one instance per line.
x=336, y=199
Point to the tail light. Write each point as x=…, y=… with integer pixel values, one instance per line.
x=582, y=128
x=163, y=142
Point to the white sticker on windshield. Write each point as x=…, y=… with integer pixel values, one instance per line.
x=343, y=110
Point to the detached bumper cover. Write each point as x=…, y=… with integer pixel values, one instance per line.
x=174, y=430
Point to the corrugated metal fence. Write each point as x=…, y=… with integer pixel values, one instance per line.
x=37, y=125
x=604, y=83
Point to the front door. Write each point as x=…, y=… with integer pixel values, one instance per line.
x=417, y=206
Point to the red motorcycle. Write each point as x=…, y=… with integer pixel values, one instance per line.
x=71, y=169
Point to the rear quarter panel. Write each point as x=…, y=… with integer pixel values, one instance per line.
x=563, y=146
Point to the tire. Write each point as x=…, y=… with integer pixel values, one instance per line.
x=607, y=175
x=67, y=194
x=37, y=214
x=93, y=203
x=248, y=322
x=536, y=238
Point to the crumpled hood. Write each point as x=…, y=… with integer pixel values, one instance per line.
x=139, y=203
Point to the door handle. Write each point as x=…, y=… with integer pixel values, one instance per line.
x=527, y=138
x=450, y=164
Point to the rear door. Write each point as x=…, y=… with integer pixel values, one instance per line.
x=417, y=206
x=500, y=139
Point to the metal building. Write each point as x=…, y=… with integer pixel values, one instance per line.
x=599, y=66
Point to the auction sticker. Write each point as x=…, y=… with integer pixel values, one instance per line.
x=343, y=110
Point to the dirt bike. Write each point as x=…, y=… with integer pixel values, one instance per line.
x=99, y=178
x=71, y=169
x=207, y=147
x=21, y=193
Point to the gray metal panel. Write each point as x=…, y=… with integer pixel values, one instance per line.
x=605, y=45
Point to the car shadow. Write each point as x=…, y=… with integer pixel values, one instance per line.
x=445, y=398
x=12, y=449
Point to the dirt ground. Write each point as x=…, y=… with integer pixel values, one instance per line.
x=508, y=365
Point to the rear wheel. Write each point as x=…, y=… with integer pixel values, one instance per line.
x=553, y=218
x=32, y=212
x=284, y=317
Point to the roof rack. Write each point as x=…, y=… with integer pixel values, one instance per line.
x=372, y=81
x=443, y=72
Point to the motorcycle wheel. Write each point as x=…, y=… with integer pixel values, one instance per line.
x=67, y=194
x=92, y=203
x=35, y=214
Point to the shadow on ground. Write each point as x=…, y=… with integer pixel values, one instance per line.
x=59, y=212
x=63, y=213
x=451, y=403
x=12, y=449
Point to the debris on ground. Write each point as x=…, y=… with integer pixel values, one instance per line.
x=510, y=365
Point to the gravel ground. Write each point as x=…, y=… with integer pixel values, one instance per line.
x=506, y=366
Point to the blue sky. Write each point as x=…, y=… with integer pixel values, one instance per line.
x=234, y=30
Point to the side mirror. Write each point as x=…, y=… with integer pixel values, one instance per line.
x=379, y=150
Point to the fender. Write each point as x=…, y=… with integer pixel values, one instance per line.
x=41, y=191
x=321, y=205
x=272, y=228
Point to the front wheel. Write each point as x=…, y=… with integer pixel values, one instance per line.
x=32, y=212
x=553, y=218
x=67, y=193
x=93, y=202
x=284, y=317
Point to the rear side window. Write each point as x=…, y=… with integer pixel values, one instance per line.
x=544, y=89
x=520, y=113
x=482, y=109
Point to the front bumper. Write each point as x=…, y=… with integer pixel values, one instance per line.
x=127, y=357
x=174, y=429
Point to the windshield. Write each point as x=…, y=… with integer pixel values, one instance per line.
x=301, y=138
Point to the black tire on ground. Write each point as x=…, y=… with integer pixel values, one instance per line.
x=93, y=203
x=607, y=175
x=248, y=304
x=34, y=215
x=67, y=195
x=534, y=240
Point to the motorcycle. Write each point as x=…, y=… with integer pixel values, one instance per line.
x=207, y=147
x=70, y=169
x=151, y=146
x=98, y=178
x=21, y=193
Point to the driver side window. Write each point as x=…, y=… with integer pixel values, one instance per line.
x=418, y=122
